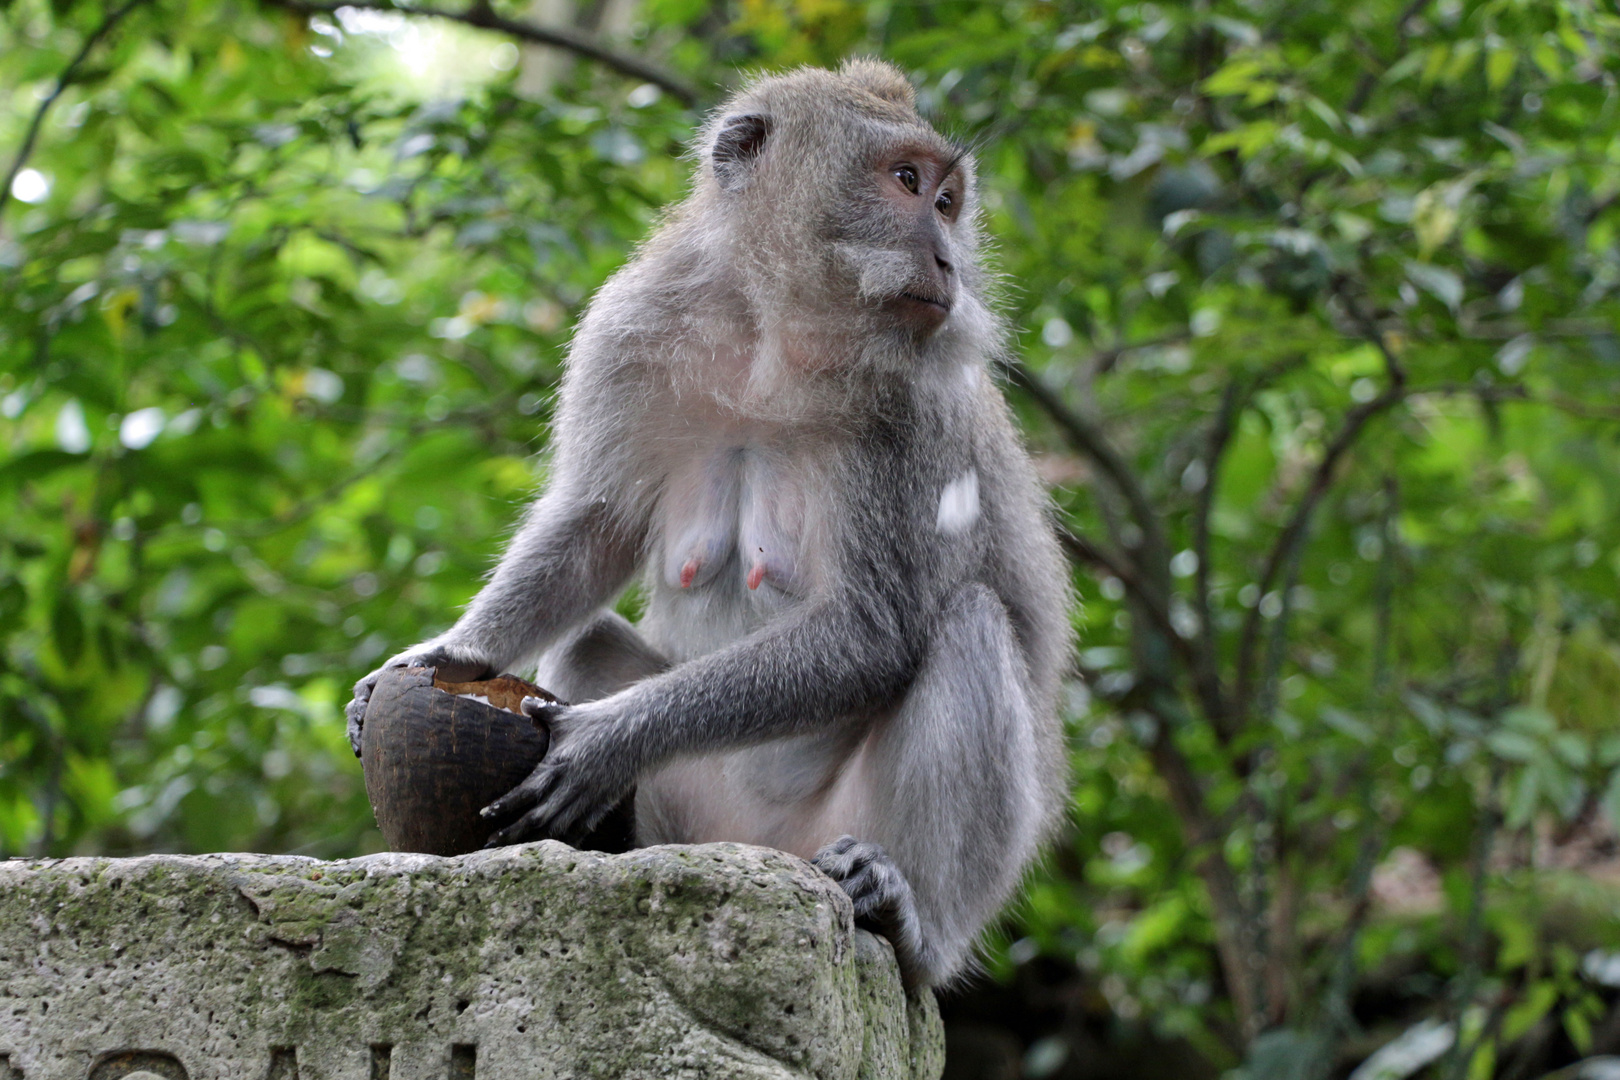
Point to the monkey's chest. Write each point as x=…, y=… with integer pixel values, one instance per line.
x=737, y=519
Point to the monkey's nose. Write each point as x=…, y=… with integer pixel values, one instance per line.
x=943, y=263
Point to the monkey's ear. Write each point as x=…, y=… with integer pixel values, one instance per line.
x=737, y=147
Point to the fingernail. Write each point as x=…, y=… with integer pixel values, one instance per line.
x=488, y=812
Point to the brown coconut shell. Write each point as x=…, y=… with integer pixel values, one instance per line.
x=433, y=758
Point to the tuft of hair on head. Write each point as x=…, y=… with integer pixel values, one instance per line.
x=880, y=79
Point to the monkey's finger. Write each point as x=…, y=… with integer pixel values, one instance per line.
x=534, y=821
x=447, y=669
x=865, y=892
x=557, y=813
x=539, y=708
x=539, y=821
x=835, y=850
x=521, y=829
x=526, y=794
x=840, y=858
x=356, y=714
x=836, y=867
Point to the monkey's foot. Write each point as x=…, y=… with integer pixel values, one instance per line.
x=882, y=897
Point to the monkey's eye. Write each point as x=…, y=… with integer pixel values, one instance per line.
x=946, y=205
x=907, y=177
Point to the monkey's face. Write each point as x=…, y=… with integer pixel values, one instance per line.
x=902, y=241
x=921, y=193
x=843, y=209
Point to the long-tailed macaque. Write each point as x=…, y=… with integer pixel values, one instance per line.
x=780, y=415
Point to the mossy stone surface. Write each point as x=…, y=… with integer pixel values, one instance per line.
x=533, y=961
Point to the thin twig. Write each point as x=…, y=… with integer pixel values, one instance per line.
x=1364, y=88
x=1206, y=673
x=1089, y=441
x=1105, y=360
x=1237, y=931
x=1212, y=693
x=1084, y=550
x=1455, y=1064
x=63, y=81
x=1518, y=392
x=557, y=37
x=1280, y=559
x=1337, y=1020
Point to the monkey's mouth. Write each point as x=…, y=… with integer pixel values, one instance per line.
x=939, y=303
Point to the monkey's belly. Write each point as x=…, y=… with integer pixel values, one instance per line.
x=796, y=795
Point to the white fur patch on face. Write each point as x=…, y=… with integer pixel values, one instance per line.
x=970, y=376
x=959, y=504
x=882, y=272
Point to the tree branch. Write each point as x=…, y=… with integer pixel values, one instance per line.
x=1238, y=935
x=1207, y=675
x=1083, y=550
x=557, y=37
x=1089, y=441
x=1518, y=392
x=1285, y=550
x=63, y=81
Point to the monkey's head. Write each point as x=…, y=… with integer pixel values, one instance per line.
x=835, y=198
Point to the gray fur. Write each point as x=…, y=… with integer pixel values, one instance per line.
x=856, y=619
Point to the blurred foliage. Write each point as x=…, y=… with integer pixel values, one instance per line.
x=1318, y=351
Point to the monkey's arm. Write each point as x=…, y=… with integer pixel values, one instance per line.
x=570, y=555
x=839, y=656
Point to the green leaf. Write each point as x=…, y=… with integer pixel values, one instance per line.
x=1499, y=65
x=1513, y=745
x=1442, y=283
x=1533, y=1004
x=1611, y=798
x=37, y=464
x=1526, y=797
x=1572, y=749
x=13, y=602
x=67, y=629
x=1579, y=1029
x=1346, y=724
x=1155, y=929
x=1547, y=59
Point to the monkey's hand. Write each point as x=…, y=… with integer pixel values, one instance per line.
x=883, y=900
x=452, y=663
x=584, y=775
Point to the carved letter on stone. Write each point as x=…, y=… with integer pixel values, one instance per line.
x=138, y=1065
x=283, y=1063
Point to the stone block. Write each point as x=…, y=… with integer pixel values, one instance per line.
x=531, y=962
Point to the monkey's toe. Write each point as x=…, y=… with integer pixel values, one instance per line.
x=864, y=871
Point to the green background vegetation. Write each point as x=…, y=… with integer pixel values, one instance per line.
x=1317, y=310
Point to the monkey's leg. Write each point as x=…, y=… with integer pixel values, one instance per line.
x=944, y=803
x=602, y=657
